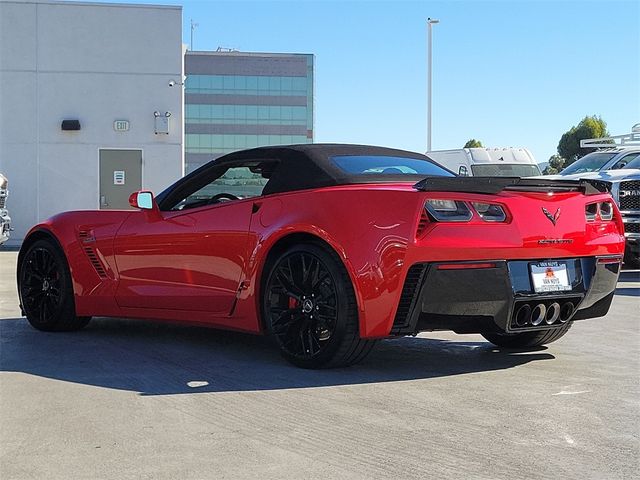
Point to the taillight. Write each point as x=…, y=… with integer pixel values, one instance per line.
x=449, y=210
x=490, y=212
x=461, y=211
x=591, y=212
x=606, y=211
x=599, y=211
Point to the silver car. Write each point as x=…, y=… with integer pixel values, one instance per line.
x=607, y=159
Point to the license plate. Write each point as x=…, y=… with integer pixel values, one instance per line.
x=550, y=277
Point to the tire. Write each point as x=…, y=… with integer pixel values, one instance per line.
x=527, y=339
x=304, y=282
x=630, y=259
x=46, y=289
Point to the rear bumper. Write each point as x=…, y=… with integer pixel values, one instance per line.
x=487, y=299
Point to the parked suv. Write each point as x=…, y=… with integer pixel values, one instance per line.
x=5, y=220
x=624, y=175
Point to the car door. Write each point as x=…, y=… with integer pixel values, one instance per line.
x=193, y=255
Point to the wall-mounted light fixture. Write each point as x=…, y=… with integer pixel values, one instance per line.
x=70, y=124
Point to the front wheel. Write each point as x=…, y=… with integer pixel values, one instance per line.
x=527, y=339
x=46, y=291
x=309, y=307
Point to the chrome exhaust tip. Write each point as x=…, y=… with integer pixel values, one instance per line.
x=553, y=312
x=566, y=312
x=538, y=314
x=523, y=315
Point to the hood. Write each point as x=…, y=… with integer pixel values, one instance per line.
x=607, y=175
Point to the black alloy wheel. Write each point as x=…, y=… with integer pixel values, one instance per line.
x=310, y=309
x=45, y=289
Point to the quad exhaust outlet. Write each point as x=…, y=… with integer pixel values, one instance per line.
x=534, y=314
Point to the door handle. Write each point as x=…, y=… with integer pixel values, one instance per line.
x=103, y=201
x=256, y=207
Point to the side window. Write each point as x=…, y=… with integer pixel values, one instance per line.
x=624, y=161
x=462, y=171
x=234, y=184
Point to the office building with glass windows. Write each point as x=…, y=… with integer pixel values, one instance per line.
x=238, y=100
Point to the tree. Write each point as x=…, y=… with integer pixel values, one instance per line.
x=589, y=127
x=556, y=163
x=473, y=143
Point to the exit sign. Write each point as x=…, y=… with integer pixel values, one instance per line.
x=121, y=125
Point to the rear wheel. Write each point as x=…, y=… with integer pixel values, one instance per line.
x=46, y=291
x=527, y=339
x=310, y=308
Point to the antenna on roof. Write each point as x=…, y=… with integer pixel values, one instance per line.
x=193, y=27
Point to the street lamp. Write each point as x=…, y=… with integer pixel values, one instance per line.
x=430, y=23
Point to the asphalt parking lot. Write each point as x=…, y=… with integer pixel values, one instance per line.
x=128, y=399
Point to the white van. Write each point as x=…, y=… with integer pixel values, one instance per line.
x=487, y=162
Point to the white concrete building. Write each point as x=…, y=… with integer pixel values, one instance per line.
x=105, y=69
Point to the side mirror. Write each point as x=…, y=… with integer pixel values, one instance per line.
x=143, y=200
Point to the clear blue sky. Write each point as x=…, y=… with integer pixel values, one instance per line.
x=509, y=73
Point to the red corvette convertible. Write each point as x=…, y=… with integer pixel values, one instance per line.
x=330, y=247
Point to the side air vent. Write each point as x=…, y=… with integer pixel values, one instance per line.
x=423, y=223
x=409, y=293
x=95, y=261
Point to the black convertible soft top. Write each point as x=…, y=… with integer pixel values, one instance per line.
x=307, y=166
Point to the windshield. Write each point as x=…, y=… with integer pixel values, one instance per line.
x=591, y=162
x=505, y=170
x=388, y=165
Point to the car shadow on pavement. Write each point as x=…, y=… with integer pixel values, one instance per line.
x=161, y=359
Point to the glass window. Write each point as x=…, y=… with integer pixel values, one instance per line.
x=287, y=85
x=229, y=82
x=591, y=162
x=236, y=183
x=263, y=83
x=299, y=113
x=252, y=83
x=624, y=161
x=300, y=85
x=505, y=170
x=635, y=163
x=387, y=165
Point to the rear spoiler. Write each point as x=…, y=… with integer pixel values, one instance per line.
x=492, y=185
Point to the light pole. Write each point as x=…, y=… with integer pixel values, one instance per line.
x=193, y=27
x=430, y=23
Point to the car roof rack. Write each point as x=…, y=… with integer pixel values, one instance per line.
x=614, y=141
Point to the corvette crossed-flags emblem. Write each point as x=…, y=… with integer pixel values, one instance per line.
x=552, y=218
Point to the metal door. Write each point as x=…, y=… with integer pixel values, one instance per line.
x=120, y=176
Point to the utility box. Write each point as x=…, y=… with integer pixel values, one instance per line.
x=162, y=123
